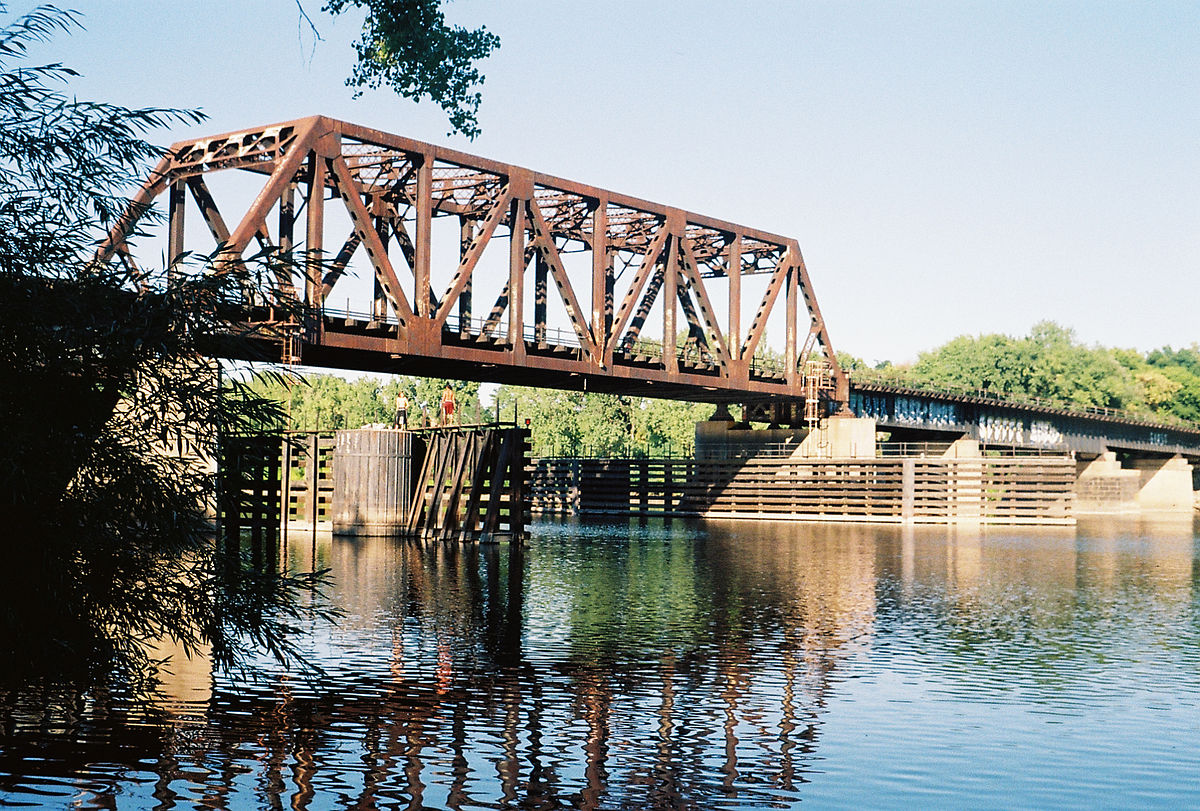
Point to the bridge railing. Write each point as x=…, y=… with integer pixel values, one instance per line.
x=775, y=450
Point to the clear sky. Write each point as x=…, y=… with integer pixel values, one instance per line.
x=948, y=167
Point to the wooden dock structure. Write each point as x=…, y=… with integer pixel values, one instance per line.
x=472, y=484
x=988, y=490
x=466, y=483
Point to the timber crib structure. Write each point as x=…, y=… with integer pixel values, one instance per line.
x=938, y=490
x=471, y=485
x=467, y=483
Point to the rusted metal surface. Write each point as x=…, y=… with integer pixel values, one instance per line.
x=392, y=189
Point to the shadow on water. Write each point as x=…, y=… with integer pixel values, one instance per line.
x=649, y=664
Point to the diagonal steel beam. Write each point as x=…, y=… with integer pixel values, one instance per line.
x=576, y=315
x=118, y=236
x=649, y=261
x=696, y=332
x=692, y=273
x=497, y=312
x=759, y=324
x=338, y=267
x=208, y=209
x=842, y=392
x=467, y=265
x=647, y=304
x=256, y=216
x=361, y=218
x=404, y=241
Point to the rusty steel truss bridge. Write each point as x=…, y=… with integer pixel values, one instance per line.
x=581, y=288
x=330, y=191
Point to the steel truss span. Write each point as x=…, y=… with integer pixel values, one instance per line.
x=643, y=266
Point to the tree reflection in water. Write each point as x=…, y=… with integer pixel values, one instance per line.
x=630, y=665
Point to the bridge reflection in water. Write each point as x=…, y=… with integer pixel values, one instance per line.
x=710, y=665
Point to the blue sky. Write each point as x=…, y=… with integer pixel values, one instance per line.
x=947, y=167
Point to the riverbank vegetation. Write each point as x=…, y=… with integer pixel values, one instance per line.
x=1049, y=363
x=1052, y=364
x=562, y=422
x=110, y=409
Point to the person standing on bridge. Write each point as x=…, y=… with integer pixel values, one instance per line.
x=449, y=405
x=401, y=420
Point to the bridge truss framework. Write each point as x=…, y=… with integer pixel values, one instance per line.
x=392, y=189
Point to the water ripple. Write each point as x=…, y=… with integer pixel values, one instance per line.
x=709, y=665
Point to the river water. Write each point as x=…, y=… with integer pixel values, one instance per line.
x=701, y=665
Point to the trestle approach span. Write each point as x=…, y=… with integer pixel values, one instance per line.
x=642, y=312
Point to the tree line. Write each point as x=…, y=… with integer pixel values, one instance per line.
x=1053, y=364
x=562, y=422
x=1049, y=363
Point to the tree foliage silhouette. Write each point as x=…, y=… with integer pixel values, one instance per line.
x=407, y=46
x=110, y=407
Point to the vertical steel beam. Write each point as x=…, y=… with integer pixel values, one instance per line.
x=176, y=201
x=314, y=233
x=466, y=236
x=287, y=219
x=600, y=278
x=733, y=334
x=516, y=279
x=792, y=302
x=287, y=240
x=424, y=228
x=379, y=304
x=610, y=284
x=540, y=279
x=670, y=293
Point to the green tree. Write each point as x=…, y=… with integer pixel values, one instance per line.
x=109, y=407
x=668, y=427
x=1187, y=358
x=1051, y=363
x=1185, y=403
x=328, y=402
x=566, y=423
x=406, y=45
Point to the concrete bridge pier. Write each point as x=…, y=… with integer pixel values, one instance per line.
x=835, y=437
x=1106, y=485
